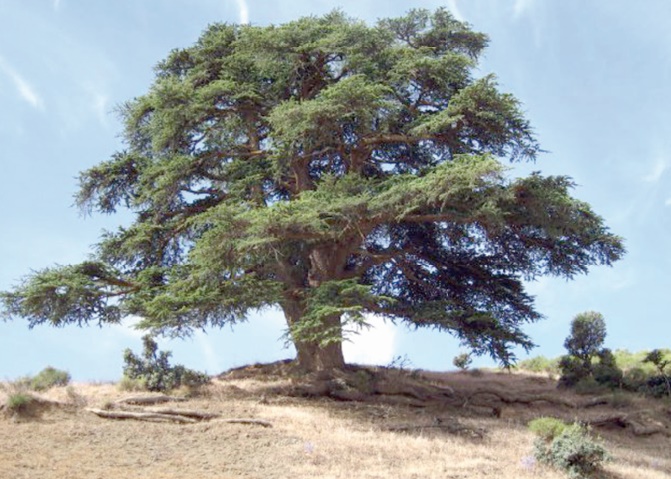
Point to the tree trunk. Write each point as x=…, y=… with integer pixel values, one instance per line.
x=312, y=356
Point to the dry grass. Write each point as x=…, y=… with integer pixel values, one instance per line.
x=310, y=438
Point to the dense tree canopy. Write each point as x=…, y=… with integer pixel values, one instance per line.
x=332, y=169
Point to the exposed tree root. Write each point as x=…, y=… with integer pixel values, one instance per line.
x=452, y=427
x=637, y=423
x=141, y=416
x=182, y=416
x=507, y=398
x=147, y=400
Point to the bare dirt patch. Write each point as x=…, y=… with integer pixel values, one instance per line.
x=402, y=424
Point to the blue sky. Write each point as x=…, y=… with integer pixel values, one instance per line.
x=594, y=77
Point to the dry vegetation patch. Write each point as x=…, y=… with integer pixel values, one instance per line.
x=450, y=435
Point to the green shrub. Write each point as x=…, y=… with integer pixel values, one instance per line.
x=573, y=370
x=590, y=386
x=656, y=386
x=19, y=402
x=128, y=384
x=572, y=451
x=634, y=379
x=540, y=364
x=657, y=357
x=606, y=371
x=48, y=378
x=462, y=361
x=547, y=428
x=154, y=369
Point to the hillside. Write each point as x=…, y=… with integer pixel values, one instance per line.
x=407, y=425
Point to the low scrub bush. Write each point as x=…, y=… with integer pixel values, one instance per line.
x=540, y=364
x=462, y=361
x=656, y=386
x=573, y=451
x=154, y=369
x=48, y=378
x=19, y=402
x=547, y=428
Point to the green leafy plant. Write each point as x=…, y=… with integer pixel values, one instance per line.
x=48, y=378
x=572, y=450
x=539, y=364
x=658, y=359
x=154, y=369
x=587, y=360
x=547, y=428
x=19, y=402
x=462, y=361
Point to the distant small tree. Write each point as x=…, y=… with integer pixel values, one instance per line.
x=588, y=333
x=462, y=361
x=584, y=345
x=657, y=358
x=155, y=372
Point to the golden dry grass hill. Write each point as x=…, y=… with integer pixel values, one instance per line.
x=264, y=421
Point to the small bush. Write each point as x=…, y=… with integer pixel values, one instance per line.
x=19, y=402
x=606, y=371
x=128, y=384
x=573, y=370
x=540, y=364
x=48, y=378
x=589, y=386
x=572, y=451
x=462, y=361
x=547, y=428
x=656, y=386
x=634, y=379
x=155, y=371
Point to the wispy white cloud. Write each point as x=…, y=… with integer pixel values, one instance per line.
x=244, y=11
x=56, y=4
x=23, y=88
x=374, y=345
x=658, y=169
x=454, y=10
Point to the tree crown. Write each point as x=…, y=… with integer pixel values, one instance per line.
x=334, y=169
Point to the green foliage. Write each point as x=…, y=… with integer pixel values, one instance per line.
x=154, y=371
x=572, y=450
x=49, y=377
x=589, y=386
x=573, y=370
x=128, y=384
x=539, y=364
x=588, y=364
x=333, y=169
x=19, y=403
x=606, y=371
x=661, y=361
x=588, y=332
x=462, y=361
x=547, y=428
